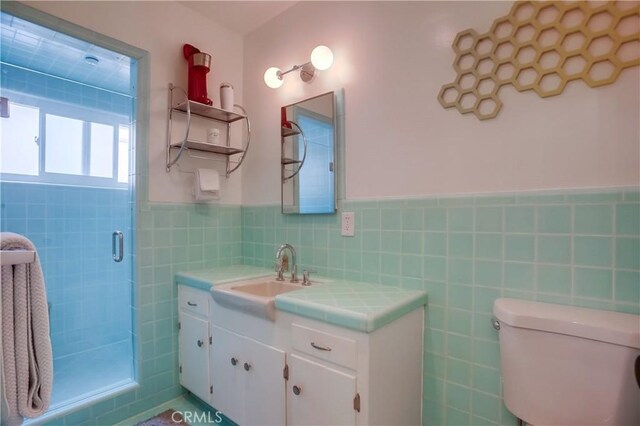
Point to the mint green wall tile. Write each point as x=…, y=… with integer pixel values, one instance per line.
x=553, y=298
x=599, y=304
x=433, y=388
x=628, y=253
x=488, y=219
x=457, y=417
x=458, y=397
x=554, y=249
x=434, y=365
x=390, y=264
x=459, y=347
x=370, y=240
x=390, y=219
x=371, y=219
x=434, y=341
x=488, y=273
x=593, y=219
x=628, y=219
x=460, y=219
x=435, y=219
x=412, y=219
x=595, y=283
x=540, y=198
x=435, y=243
x=631, y=195
x=486, y=379
x=483, y=299
x=435, y=268
x=412, y=242
x=488, y=246
x=436, y=292
x=592, y=251
x=495, y=200
x=595, y=197
x=554, y=279
x=627, y=288
x=411, y=266
x=391, y=241
x=458, y=372
x=320, y=237
x=460, y=245
x=486, y=406
x=371, y=262
x=519, y=247
x=519, y=219
x=460, y=271
x=486, y=353
x=554, y=219
x=519, y=276
x=459, y=321
x=460, y=296
x=436, y=319
x=336, y=259
x=353, y=260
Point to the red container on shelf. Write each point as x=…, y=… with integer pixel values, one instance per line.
x=199, y=66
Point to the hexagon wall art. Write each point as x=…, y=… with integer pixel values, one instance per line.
x=541, y=46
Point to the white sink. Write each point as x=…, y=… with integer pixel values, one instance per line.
x=255, y=296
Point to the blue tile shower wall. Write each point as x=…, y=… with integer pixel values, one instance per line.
x=89, y=293
x=571, y=247
x=37, y=84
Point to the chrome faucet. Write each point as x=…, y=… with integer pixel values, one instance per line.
x=294, y=278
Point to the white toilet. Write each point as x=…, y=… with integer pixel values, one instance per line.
x=563, y=365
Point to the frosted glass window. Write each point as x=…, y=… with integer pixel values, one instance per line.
x=101, y=157
x=63, y=153
x=20, y=149
x=123, y=154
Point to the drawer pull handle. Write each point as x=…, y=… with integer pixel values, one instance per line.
x=234, y=361
x=192, y=304
x=247, y=366
x=297, y=390
x=200, y=343
x=320, y=347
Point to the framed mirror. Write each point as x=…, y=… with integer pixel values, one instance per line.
x=312, y=143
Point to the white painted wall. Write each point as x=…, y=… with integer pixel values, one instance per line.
x=161, y=28
x=391, y=59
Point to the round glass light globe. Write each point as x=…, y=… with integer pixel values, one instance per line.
x=322, y=58
x=271, y=78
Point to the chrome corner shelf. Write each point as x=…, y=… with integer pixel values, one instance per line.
x=286, y=132
x=190, y=109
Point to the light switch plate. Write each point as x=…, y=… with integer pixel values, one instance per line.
x=348, y=224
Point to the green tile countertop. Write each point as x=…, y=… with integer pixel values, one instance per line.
x=359, y=306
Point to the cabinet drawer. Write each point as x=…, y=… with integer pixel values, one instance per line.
x=330, y=347
x=192, y=300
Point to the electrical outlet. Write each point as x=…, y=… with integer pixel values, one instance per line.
x=348, y=224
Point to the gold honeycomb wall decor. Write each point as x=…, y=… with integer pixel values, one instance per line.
x=541, y=46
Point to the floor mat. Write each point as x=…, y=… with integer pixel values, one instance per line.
x=166, y=418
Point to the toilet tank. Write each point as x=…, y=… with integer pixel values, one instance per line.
x=564, y=365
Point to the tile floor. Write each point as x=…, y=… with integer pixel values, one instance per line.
x=195, y=412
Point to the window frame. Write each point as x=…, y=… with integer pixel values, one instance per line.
x=87, y=116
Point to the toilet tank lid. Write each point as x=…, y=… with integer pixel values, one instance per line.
x=605, y=326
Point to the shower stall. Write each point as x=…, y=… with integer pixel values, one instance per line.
x=65, y=183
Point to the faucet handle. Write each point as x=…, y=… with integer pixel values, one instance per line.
x=305, y=277
x=279, y=270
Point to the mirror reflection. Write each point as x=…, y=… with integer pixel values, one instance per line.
x=308, y=161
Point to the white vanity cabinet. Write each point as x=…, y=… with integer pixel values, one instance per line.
x=250, y=383
x=194, y=341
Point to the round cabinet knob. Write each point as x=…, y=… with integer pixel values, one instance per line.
x=200, y=343
x=247, y=366
x=297, y=390
x=234, y=361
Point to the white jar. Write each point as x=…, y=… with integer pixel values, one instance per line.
x=213, y=136
x=226, y=96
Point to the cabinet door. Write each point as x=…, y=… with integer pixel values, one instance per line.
x=265, y=384
x=227, y=373
x=325, y=395
x=194, y=355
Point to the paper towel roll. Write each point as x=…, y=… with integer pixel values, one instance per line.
x=207, y=185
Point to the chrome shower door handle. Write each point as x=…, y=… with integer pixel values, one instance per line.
x=117, y=255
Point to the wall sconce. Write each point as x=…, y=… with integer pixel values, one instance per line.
x=321, y=59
